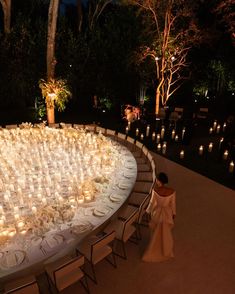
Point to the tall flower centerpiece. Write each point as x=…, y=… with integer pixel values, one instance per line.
x=56, y=93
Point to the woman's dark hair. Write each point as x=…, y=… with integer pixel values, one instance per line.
x=163, y=178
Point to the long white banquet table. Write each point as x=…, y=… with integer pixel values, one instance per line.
x=27, y=249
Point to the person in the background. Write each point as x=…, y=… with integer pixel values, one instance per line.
x=162, y=210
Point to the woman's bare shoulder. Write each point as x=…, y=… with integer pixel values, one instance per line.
x=164, y=191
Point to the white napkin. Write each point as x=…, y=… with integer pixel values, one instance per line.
x=53, y=241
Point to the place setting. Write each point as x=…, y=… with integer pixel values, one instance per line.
x=12, y=258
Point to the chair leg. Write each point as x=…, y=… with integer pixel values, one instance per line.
x=114, y=264
x=85, y=285
x=124, y=256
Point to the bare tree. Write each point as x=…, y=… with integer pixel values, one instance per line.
x=6, y=6
x=51, y=59
x=96, y=8
x=172, y=32
x=52, y=24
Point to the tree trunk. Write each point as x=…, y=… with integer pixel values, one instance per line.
x=51, y=60
x=80, y=15
x=6, y=6
x=157, y=107
x=50, y=115
x=52, y=23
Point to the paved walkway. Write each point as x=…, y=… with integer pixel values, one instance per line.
x=204, y=245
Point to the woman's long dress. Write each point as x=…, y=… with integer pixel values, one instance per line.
x=162, y=210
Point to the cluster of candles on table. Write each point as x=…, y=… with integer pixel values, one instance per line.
x=40, y=167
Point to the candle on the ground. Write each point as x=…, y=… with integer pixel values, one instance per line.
x=225, y=156
x=137, y=132
x=210, y=131
x=159, y=147
x=158, y=138
x=162, y=132
x=182, y=154
x=210, y=147
x=153, y=136
x=231, y=167
x=218, y=129
x=173, y=134
x=201, y=148
x=147, y=131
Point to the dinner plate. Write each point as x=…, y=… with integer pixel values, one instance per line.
x=53, y=240
x=115, y=198
x=123, y=185
x=12, y=258
x=102, y=211
x=35, y=241
x=128, y=175
x=81, y=228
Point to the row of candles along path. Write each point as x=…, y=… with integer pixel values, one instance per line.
x=162, y=147
x=216, y=128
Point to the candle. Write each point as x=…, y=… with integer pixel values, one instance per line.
x=158, y=138
x=162, y=132
x=34, y=209
x=61, y=199
x=153, y=136
x=164, y=148
x=225, y=156
x=231, y=167
x=129, y=125
x=20, y=224
x=183, y=133
x=224, y=127
x=44, y=201
x=210, y=147
x=210, y=131
x=11, y=232
x=142, y=137
x=176, y=138
x=201, y=148
x=159, y=147
x=214, y=125
x=127, y=129
x=137, y=132
x=173, y=134
x=80, y=200
x=16, y=216
x=220, y=142
x=147, y=131
x=1, y=209
x=218, y=129
x=1, y=222
x=182, y=154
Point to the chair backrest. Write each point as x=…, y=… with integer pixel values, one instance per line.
x=121, y=136
x=128, y=223
x=143, y=207
x=65, y=125
x=150, y=157
x=11, y=126
x=55, y=126
x=100, y=130
x=145, y=150
x=68, y=267
x=90, y=128
x=139, y=144
x=26, y=285
x=130, y=140
x=102, y=242
x=110, y=132
x=77, y=126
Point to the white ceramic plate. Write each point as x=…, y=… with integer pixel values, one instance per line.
x=102, y=211
x=12, y=258
x=115, y=198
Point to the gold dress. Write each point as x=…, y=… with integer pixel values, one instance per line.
x=162, y=209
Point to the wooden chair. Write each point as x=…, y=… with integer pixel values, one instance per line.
x=78, y=126
x=27, y=285
x=11, y=127
x=55, y=125
x=90, y=128
x=96, y=249
x=124, y=231
x=65, y=272
x=101, y=130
